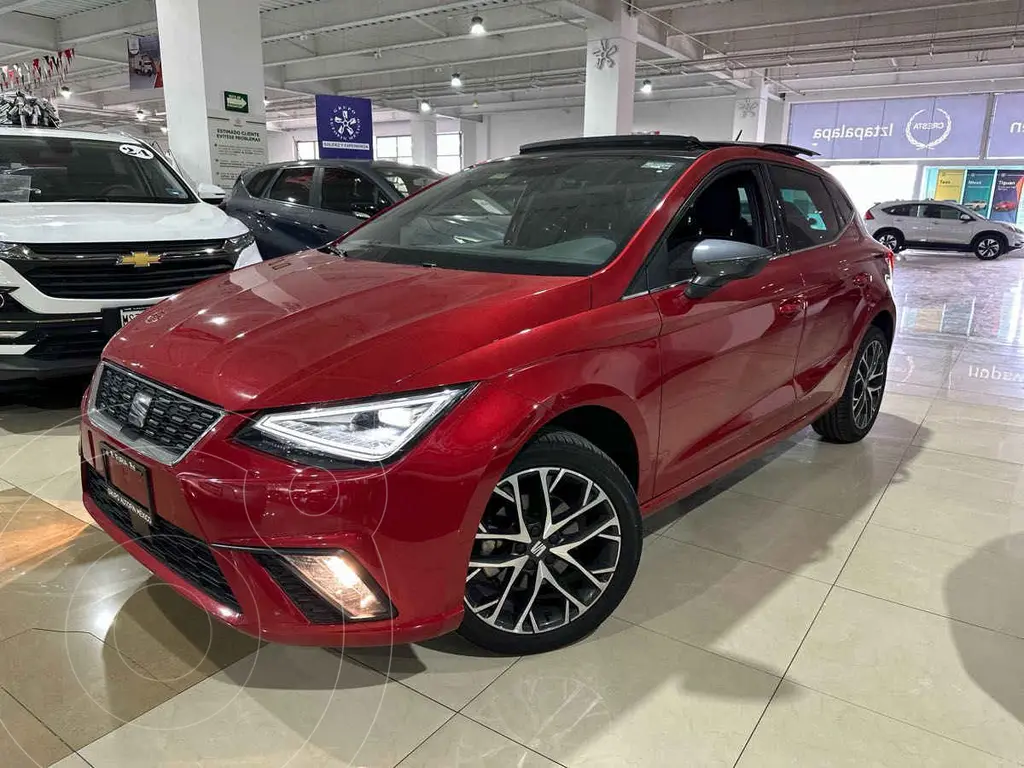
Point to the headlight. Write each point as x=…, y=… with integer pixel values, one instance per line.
x=14, y=251
x=368, y=431
x=240, y=243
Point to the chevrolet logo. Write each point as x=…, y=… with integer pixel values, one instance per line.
x=138, y=259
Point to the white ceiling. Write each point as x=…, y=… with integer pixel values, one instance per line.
x=398, y=51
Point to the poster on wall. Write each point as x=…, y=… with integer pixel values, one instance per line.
x=1006, y=196
x=144, y=68
x=237, y=145
x=949, y=184
x=978, y=190
x=344, y=127
x=1006, y=133
x=893, y=129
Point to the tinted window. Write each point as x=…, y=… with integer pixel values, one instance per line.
x=294, y=185
x=256, y=184
x=900, y=210
x=730, y=208
x=409, y=180
x=345, y=191
x=557, y=214
x=49, y=169
x=941, y=212
x=807, y=211
x=844, y=208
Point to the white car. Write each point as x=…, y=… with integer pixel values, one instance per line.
x=941, y=226
x=95, y=228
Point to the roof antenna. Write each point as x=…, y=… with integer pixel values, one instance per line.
x=738, y=135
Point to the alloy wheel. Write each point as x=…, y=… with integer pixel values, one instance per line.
x=988, y=248
x=545, y=551
x=890, y=241
x=868, y=383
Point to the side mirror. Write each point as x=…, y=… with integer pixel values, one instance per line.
x=718, y=262
x=965, y=217
x=211, y=193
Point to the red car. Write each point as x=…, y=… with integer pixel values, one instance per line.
x=457, y=416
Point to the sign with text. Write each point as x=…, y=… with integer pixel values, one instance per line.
x=1006, y=134
x=1006, y=198
x=946, y=127
x=950, y=184
x=978, y=189
x=344, y=127
x=236, y=102
x=236, y=146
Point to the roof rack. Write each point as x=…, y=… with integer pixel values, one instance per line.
x=663, y=143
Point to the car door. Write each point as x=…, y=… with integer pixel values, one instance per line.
x=828, y=251
x=945, y=227
x=246, y=196
x=727, y=358
x=283, y=214
x=347, y=198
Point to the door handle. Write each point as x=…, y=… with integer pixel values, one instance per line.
x=791, y=307
x=321, y=228
x=861, y=279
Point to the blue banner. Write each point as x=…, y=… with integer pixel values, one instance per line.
x=344, y=127
x=1006, y=136
x=946, y=127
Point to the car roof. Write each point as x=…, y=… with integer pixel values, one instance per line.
x=341, y=163
x=117, y=138
x=654, y=143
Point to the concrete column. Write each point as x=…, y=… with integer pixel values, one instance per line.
x=424, y=140
x=474, y=139
x=207, y=48
x=611, y=74
x=750, y=111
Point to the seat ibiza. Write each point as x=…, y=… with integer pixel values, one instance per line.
x=457, y=416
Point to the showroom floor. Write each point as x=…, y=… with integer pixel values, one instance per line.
x=826, y=605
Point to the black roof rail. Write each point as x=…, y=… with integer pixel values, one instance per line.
x=665, y=143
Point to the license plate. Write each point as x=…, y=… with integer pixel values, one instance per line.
x=129, y=488
x=130, y=313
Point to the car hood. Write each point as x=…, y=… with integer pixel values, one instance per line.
x=313, y=327
x=118, y=222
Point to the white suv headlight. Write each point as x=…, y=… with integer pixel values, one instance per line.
x=368, y=431
x=240, y=243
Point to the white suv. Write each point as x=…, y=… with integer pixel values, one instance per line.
x=94, y=228
x=941, y=226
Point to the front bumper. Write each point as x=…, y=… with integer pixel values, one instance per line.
x=409, y=527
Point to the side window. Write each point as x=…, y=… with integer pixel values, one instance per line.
x=256, y=184
x=844, y=208
x=807, y=211
x=730, y=208
x=941, y=212
x=294, y=185
x=900, y=210
x=345, y=191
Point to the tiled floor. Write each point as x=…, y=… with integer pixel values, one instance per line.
x=824, y=606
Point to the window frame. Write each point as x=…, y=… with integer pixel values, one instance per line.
x=640, y=286
x=780, y=221
x=319, y=181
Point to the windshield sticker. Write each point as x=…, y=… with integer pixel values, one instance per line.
x=658, y=165
x=134, y=150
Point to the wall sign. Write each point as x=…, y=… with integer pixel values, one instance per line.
x=236, y=102
x=978, y=189
x=344, y=127
x=1006, y=134
x=237, y=144
x=948, y=127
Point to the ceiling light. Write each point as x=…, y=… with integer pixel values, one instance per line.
x=140, y=114
x=266, y=102
x=425, y=106
x=65, y=91
x=646, y=87
x=456, y=80
x=476, y=104
x=163, y=129
x=476, y=26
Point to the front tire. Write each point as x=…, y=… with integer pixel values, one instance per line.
x=988, y=246
x=556, y=550
x=850, y=419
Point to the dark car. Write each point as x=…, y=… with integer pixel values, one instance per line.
x=439, y=422
x=304, y=204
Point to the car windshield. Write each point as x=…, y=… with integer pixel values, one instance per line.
x=540, y=215
x=59, y=169
x=409, y=180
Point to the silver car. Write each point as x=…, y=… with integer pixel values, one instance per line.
x=941, y=226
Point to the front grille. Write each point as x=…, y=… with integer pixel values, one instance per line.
x=173, y=422
x=91, y=271
x=313, y=607
x=179, y=550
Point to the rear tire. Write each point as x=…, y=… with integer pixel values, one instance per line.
x=989, y=246
x=564, y=556
x=891, y=239
x=850, y=419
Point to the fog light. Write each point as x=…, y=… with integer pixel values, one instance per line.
x=339, y=581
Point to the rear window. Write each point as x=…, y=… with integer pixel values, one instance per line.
x=844, y=208
x=60, y=169
x=900, y=210
x=556, y=215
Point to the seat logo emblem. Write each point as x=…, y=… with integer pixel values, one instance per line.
x=138, y=259
x=538, y=548
x=139, y=409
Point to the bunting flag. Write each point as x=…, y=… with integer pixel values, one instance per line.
x=47, y=73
